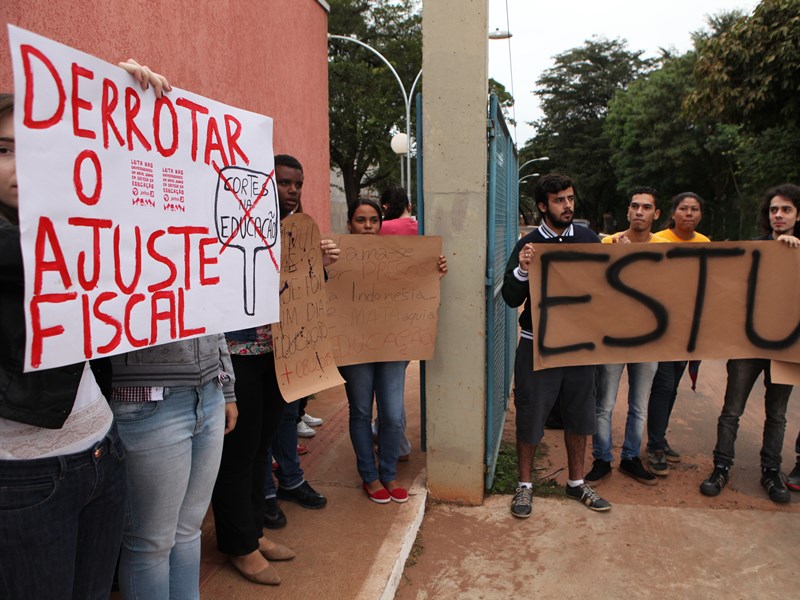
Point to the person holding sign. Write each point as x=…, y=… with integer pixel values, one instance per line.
x=685, y=215
x=173, y=403
x=780, y=219
x=238, y=501
x=536, y=392
x=385, y=381
x=642, y=212
x=62, y=469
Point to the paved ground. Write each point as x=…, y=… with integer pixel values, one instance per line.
x=662, y=542
x=666, y=541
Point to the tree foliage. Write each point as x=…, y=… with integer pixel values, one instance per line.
x=575, y=94
x=366, y=103
x=720, y=120
x=654, y=143
x=749, y=73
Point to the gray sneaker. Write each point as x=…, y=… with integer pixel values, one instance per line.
x=522, y=504
x=658, y=463
x=583, y=493
x=670, y=454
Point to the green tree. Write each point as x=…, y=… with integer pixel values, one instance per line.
x=505, y=99
x=575, y=94
x=747, y=75
x=654, y=143
x=366, y=104
x=750, y=71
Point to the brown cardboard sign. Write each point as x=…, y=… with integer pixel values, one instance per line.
x=784, y=372
x=304, y=362
x=599, y=304
x=383, y=298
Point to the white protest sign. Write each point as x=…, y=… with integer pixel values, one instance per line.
x=143, y=221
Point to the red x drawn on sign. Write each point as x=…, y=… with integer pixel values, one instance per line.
x=247, y=213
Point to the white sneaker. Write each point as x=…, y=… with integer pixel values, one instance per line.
x=304, y=431
x=312, y=421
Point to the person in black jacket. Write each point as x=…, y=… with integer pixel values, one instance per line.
x=535, y=392
x=62, y=470
x=780, y=220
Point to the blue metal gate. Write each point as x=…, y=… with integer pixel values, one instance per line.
x=501, y=321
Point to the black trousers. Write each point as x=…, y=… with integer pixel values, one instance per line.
x=238, y=499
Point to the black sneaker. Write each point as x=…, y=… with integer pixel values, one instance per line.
x=522, y=503
x=583, y=493
x=658, y=463
x=273, y=515
x=633, y=467
x=670, y=454
x=600, y=470
x=715, y=482
x=793, y=482
x=304, y=495
x=772, y=480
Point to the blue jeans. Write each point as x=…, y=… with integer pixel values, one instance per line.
x=640, y=378
x=284, y=449
x=61, y=523
x=742, y=375
x=662, y=399
x=386, y=382
x=173, y=448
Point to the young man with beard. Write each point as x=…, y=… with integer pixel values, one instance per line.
x=535, y=392
x=779, y=219
x=642, y=212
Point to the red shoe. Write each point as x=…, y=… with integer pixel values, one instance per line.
x=398, y=494
x=382, y=496
x=301, y=449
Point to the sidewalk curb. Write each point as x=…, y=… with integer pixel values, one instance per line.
x=385, y=575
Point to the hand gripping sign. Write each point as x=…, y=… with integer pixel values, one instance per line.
x=246, y=215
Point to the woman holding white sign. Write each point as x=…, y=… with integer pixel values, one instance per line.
x=385, y=381
x=62, y=469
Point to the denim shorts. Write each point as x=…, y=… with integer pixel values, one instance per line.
x=536, y=392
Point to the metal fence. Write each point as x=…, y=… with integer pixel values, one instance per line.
x=501, y=321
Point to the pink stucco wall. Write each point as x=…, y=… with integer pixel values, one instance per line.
x=267, y=56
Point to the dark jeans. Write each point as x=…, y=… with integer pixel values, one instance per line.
x=284, y=449
x=61, y=523
x=662, y=399
x=742, y=374
x=238, y=499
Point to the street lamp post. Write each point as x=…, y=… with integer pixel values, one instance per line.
x=533, y=160
x=527, y=177
x=406, y=98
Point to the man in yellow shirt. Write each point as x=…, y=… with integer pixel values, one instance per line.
x=642, y=212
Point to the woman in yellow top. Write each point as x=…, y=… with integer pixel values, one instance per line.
x=685, y=215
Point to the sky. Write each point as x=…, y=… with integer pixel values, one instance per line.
x=540, y=30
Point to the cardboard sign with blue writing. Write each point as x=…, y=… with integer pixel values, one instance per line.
x=383, y=298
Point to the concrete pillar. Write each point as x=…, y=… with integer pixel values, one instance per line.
x=454, y=66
